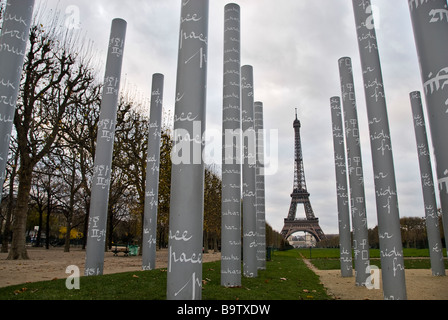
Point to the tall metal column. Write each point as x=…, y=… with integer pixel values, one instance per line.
x=231, y=151
x=355, y=173
x=345, y=246
x=187, y=174
x=152, y=175
x=249, y=171
x=392, y=263
x=430, y=24
x=13, y=41
x=260, y=186
x=429, y=198
x=104, y=149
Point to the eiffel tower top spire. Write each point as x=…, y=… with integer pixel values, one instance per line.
x=299, y=171
x=296, y=122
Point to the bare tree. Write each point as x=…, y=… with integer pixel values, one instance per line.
x=413, y=232
x=78, y=132
x=46, y=187
x=9, y=200
x=164, y=188
x=54, y=78
x=212, y=208
x=129, y=159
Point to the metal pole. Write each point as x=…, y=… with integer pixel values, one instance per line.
x=13, y=41
x=355, y=173
x=430, y=24
x=260, y=187
x=345, y=247
x=249, y=167
x=392, y=262
x=152, y=175
x=231, y=151
x=104, y=149
x=429, y=198
x=187, y=174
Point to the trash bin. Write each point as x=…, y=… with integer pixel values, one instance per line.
x=133, y=250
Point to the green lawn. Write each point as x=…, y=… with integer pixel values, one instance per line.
x=286, y=278
x=374, y=253
x=328, y=259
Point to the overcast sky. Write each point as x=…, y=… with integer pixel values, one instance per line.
x=294, y=47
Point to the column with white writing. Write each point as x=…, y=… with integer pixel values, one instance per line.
x=429, y=197
x=231, y=151
x=260, y=186
x=13, y=40
x=187, y=175
x=96, y=237
x=250, y=269
x=430, y=25
x=355, y=172
x=152, y=175
x=345, y=247
x=389, y=232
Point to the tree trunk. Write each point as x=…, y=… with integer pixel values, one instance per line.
x=140, y=241
x=47, y=223
x=73, y=190
x=205, y=242
x=47, y=229
x=39, y=231
x=110, y=231
x=7, y=232
x=215, y=244
x=161, y=232
x=86, y=227
x=67, y=235
x=18, y=244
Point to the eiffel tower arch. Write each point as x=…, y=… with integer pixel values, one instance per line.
x=301, y=196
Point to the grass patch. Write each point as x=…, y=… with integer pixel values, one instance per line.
x=285, y=278
x=328, y=259
x=142, y=285
x=374, y=253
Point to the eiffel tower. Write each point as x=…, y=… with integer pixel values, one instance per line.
x=300, y=195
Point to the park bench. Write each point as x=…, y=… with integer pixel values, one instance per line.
x=121, y=248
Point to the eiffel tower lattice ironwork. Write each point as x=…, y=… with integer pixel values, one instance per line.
x=300, y=195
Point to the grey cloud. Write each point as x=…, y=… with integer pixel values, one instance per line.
x=294, y=47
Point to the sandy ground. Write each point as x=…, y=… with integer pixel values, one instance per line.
x=51, y=264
